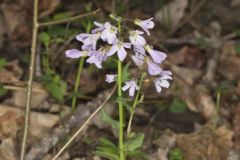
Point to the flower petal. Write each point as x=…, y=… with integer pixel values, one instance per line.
x=74, y=53
x=121, y=53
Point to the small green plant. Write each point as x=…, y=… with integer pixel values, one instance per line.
x=178, y=106
x=176, y=154
x=2, y=64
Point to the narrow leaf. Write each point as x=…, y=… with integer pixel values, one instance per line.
x=107, y=119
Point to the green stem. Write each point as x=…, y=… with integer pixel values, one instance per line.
x=80, y=68
x=134, y=106
x=120, y=105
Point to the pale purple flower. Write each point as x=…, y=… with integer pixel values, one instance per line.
x=100, y=27
x=132, y=86
x=138, y=59
x=157, y=56
x=139, y=49
x=96, y=57
x=74, y=53
x=162, y=81
x=119, y=47
x=145, y=24
x=88, y=40
x=153, y=68
x=110, y=78
x=109, y=33
x=136, y=39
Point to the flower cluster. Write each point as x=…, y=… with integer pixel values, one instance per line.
x=143, y=52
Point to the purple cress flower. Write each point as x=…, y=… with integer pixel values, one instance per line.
x=157, y=56
x=119, y=47
x=100, y=27
x=109, y=33
x=145, y=24
x=136, y=39
x=110, y=78
x=88, y=40
x=74, y=53
x=162, y=81
x=96, y=57
x=132, y=86
x=153, y=68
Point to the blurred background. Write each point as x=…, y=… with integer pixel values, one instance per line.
x=198, y=118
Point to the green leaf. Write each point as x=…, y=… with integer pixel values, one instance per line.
x=55, y=86
x=237, y=49
x=45, y=39
x=105, y=142
x=107, y=149
x=107, y=155
x=134, y=142
x=178, y=106
x=107, y=119
x=3, y=91
x=60, y=16
x=125, y=74
x=125, y=103
x=2, y=63
x=176, y=154
x=137, y=155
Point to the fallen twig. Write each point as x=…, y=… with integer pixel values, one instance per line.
x=66, y=20
x=30, y=80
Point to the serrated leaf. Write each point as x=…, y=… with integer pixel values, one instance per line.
x=2, y=62
x=45, y=38
x=107, y=119
x=134, y=142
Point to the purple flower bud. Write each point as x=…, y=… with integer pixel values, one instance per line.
x=109, y=33
x=89, y=40
x=110, y=78
x=153, y=68
x=74, y=53
x=136, y=39
x=157, y=56
x=96, y=57
x=119, y=47
x=145, y=24
x=162, y=81
x=132, y=86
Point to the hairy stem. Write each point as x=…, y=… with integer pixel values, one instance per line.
x=30, y=80
x=80, y=68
